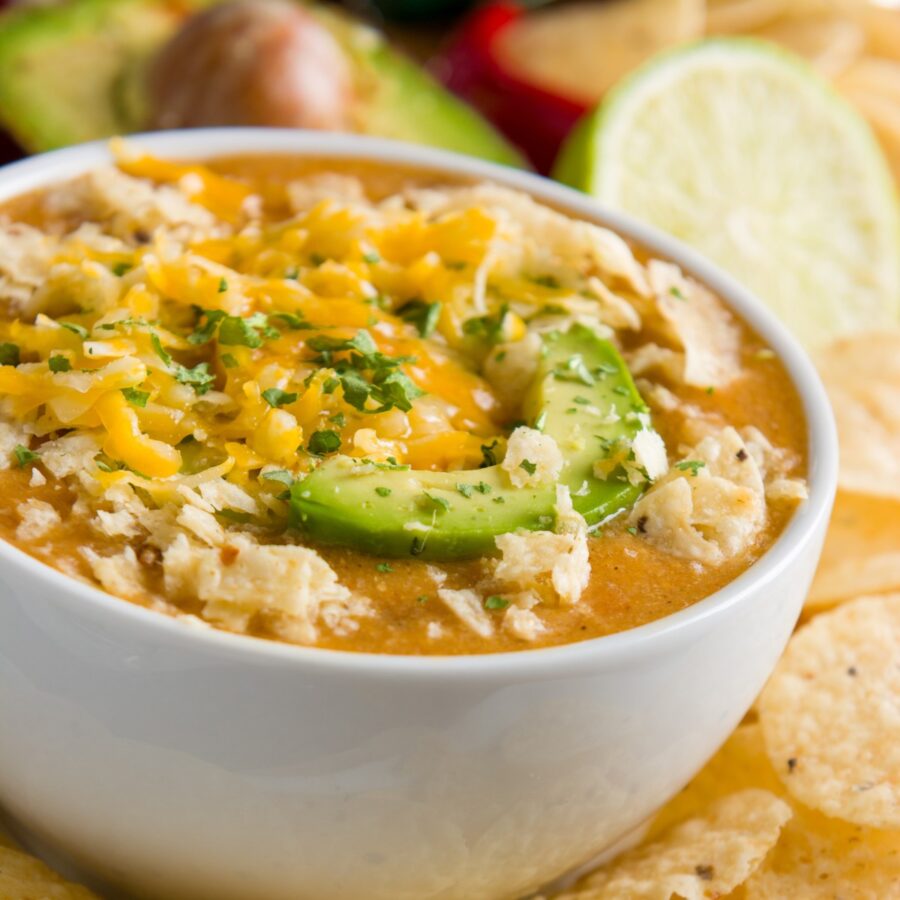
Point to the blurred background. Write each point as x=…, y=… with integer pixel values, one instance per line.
x=531, y=68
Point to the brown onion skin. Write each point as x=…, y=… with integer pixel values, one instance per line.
x=252, y=62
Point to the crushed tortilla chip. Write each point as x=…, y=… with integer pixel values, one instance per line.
x=705, y=857
x=830, y=714
x=862, y=551
x=818, y=858
x=23, y=877
x=862, y=376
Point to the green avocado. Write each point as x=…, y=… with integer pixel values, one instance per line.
x=75, y=72
x=394, y=511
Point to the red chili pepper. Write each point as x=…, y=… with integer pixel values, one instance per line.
x=533, y=118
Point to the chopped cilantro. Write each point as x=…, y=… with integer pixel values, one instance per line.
x=547, y=281
x=24, y=456
x=316, y=259
x=59, y=364
x=9, y=354
x=489, y=328
x=281, y=475
x=384, y=567
x=499, y=500
x=330, y=385
x=422, y=598
x=322, y=442
x=677, y=293
x=632, y=530
x=495, y=602
x=710, y=390
x=691, y=465
x=574, y=369
x=294, y=321
x=465, y=489
x=160, y=350
x=383, y=491
x=621, y=390
x=528, y=466
x=483, y=488
x=80, y=330
x=488, y=456
x=276, y=397
x=229, y=361
x=223, y=286
x=423, y=315
x=199, y=377
x=455, y=265
x=121, y=268
x=581, y=401
x=371, y=258
x=136, y=397
x=440, y=504
x=105, y=464
x=499, y=357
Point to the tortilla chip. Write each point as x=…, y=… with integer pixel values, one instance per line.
x=862, y=375
x=23, y=877
x=741, y=763
x=829, y=41
x=734, y=16
x=817, y=858
x=830, y=714
x=707, y=856
x=862, y=551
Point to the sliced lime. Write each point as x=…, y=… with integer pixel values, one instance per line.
x=740, y=150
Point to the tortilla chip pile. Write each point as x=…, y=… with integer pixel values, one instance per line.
x=803, y=800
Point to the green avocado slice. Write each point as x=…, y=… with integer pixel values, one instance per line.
x=75, y=72
x=582, y=395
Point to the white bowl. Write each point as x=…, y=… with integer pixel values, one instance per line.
x=179, y=762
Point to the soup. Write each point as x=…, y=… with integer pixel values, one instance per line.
x=373, y=409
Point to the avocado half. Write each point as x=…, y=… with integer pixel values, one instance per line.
x=75, y=73
x=583, y=396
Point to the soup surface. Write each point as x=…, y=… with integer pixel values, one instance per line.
x=376, y=409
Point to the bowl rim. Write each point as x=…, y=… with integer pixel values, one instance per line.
x=633, y=644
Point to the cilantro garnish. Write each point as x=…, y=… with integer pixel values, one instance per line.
x=465, y=489
x=528, y=466
x=547, y=281
x=80, y=330
x=322, y=442
x=223, y=286
x=121, y=268
x=489, y=328
x=367, y=374
x=421, y=314
x=371, y=258
x=136, y=397
x=199, y=377
x=488, y=457
x=383, y=491
x=294, y=321
x=24, y=456
x=439, y=504
x=228, y=361
x=384, y=567
x=574, y=369
x=9, y=354
x=483, y=488
x=59, y=364
x=495, y=602
x=276, y=397
x=691, y=465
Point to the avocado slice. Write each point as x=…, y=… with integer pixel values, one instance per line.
x=582, y=395
x=76, y=72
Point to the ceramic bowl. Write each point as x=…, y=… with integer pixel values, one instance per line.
x=163, y=760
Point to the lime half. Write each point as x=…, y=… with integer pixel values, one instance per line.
x=740, y=150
